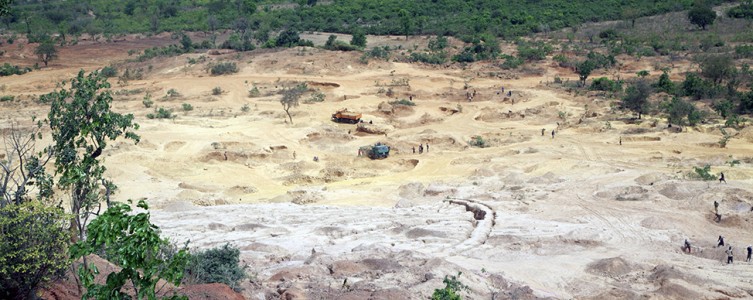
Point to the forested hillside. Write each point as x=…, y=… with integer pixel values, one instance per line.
x=460, y=18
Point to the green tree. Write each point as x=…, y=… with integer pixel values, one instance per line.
x=291, y=98
x=438, y=43
x=81, y=122
x=682, y=112
x=665, y=84
x=697, y=87
x=717, y=68
x=132, y=242
x=724, y=108
x=287, y=38
x=702, y=16
x=630, y=13
x=186, y=42
x=406, y=21
x=358, y=39
x=46, y=51
x=636, y=97
x=33, y=244
x=584, y=70
x=5, y=7
x=330, y=44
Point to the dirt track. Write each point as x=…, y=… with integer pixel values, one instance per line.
x=576, y=216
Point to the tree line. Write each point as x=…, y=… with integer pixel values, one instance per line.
x=458, y=18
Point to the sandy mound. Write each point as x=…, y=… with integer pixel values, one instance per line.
x=610, y=267
x=651, y=178
x=625, y=193
x=677, y=190
x=746, y=134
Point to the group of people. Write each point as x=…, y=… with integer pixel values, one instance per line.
x=421, y=148
x=470, y=95
x=720, y=241
x=543, y=130
x=730, y=253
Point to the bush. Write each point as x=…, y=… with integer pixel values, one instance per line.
x=7, y=98
x=683, y=113
x=235, y=42
x=7, y=69
x=172, y=93
x=217, y=265
x=742, y=11
x=403, y=102
x=511, y=62
x=478, y=141
x=601, y=60
x=665, y=84
x=217, y=91
x=605, y=84
x=697, y=87
x=30, y=260
x=254, y=92
x=438, y=43
x=245, y=108
x=744, y=51
x=435, y=58
x=376, y=52
x=161, y=113
x=109, y=71
x=534, y=51
x=167, y=51
x=704, y=173
x=133, y=243
x=315, y=97
x=187, y=107
x=224, y=68
x=609, y=34
x=147, y=101
x=450, y=292
x=359, y=39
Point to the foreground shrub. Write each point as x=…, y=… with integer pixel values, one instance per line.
x=133, y=243
x=33, y=239
x=450, y=292
x=217, y=265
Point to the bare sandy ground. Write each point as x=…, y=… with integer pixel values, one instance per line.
x=574, y=216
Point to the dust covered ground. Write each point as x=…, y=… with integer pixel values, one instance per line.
x=574, y=215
